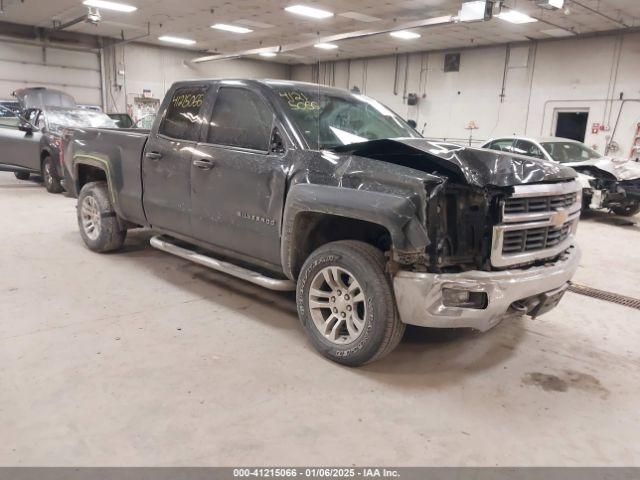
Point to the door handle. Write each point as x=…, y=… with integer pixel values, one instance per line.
x=153, y=155
x=203, y=164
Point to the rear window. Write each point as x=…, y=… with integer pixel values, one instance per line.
x=184, y=113
x=504, y=145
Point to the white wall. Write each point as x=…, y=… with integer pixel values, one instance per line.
x=155, y=69
x=540, y=78
x=28, y=64
x=23, y=65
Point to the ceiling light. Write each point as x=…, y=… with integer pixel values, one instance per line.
x=231, y=28
x=514, y=16
x=268, y=54
x=118, y=7
x=326, y=46
x=178, y=40
x=308, y=11
x=550, y=4
x=405, y=34
x=475, y=11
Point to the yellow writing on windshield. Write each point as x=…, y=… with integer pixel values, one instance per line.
x=299, y=101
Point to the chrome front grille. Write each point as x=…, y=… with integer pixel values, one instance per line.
x=539, y=204
x=533, y=239
x=538, y=222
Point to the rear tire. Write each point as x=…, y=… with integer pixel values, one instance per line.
x=346, y=303
x=22, y=175
x=50, y=176
x=97, y=220
x=627, y=210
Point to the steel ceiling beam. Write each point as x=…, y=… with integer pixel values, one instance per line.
x=428, y=22
x=597, y=12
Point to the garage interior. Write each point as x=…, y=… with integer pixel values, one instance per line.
x=144, y=359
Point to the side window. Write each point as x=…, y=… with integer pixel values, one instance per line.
x=183, y=117
x=8, y=118
x=504, y=145
x=240, y=119
x=527, y=148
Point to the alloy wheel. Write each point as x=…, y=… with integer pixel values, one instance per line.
x=337, y=305
x=90, y=215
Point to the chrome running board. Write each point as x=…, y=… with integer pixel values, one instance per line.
x=245, y=274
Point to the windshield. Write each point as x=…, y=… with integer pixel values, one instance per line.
x=566, y=152
x=329, y=120
x=61, y=118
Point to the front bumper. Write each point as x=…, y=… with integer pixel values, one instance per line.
x=419, y=295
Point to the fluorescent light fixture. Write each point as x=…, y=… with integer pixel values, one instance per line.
x=326, y=46
x=513, y=16
x=231, y=28
x=473, y=11
x=405, y=34
x=550, y=4
x=309, y=11
x=118, y=7
x=178, y=40
x=268, y=54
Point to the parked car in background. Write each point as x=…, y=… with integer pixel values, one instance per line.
x=30, y=141
x=145, y=122
x=608, y=183
x=307, y=187
x=123, y=120
x=41, y=97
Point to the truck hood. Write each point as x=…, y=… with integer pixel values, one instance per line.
x=475, y=166
x=622, y=169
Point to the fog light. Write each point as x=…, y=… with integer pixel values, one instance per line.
x=454, y=297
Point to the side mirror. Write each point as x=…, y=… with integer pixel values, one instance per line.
x=412, y=124
x=26, y=127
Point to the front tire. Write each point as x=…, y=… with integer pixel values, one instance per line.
x=22, y=175
x=52, y=181
x=346, y=303
x=98, y=222
x=627, y=210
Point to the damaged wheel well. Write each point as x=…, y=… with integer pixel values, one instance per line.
x=312, y=230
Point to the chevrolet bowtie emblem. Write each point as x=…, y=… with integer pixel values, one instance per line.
x=559, y=218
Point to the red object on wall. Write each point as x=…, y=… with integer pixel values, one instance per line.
x=595, y=128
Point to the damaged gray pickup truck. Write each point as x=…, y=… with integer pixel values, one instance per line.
x=294, y=186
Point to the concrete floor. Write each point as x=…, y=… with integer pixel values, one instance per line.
x=140, y=358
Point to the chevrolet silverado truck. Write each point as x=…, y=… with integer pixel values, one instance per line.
x=296, y=186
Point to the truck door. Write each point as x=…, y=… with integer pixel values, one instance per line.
x=166, y=162
x=237, y=179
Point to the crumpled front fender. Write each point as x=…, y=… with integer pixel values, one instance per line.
x=397, y=214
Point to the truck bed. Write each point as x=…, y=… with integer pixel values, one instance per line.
x=119, y=152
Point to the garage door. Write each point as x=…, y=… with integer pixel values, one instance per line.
x=76, y=73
